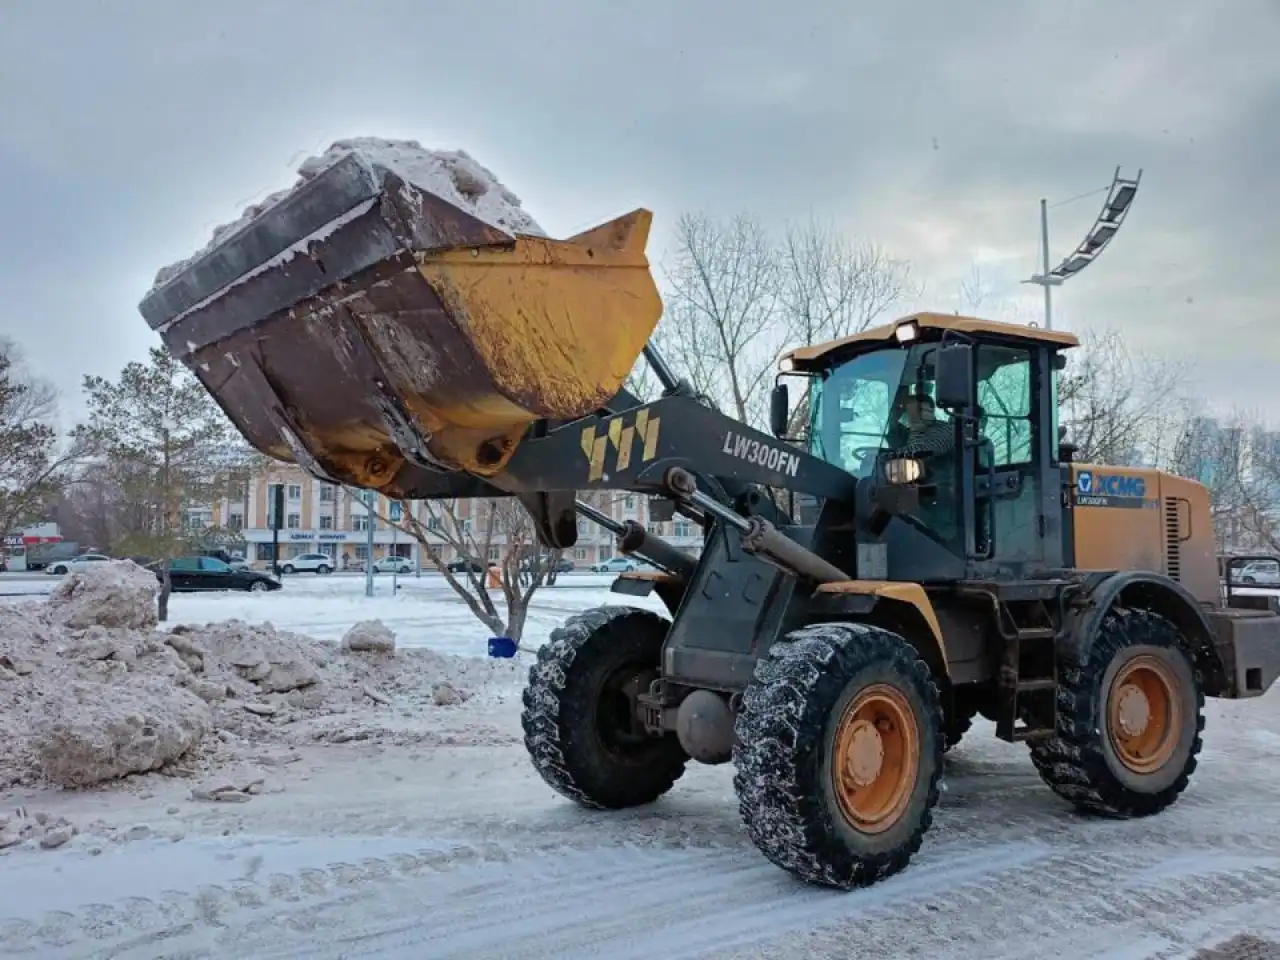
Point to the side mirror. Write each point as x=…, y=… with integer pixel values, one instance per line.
x=953, y=376
x=779, y=410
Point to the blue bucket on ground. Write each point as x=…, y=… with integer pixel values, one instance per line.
x=503, y=647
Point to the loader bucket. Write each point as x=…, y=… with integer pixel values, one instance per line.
x=384, y=338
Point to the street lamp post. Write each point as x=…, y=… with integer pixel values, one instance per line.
x=395, y=554
x=370, y=497
x=1114, y=211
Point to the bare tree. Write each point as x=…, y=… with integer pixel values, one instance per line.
x=722, y=317
x=736, y=299
x=1237, y=457
x=35, y=463
x=832, y=286
x=498, y=526
x=641, y=382
x=974, y=292
x=1121, y=406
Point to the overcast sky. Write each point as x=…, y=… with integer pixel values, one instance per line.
x=129, y=129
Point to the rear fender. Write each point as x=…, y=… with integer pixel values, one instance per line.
x=902, y=607
x=1145, y=590
x=640, y=583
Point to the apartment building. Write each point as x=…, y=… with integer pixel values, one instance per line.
x=326, y=518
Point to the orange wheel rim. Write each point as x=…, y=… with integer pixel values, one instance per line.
x=877, y=752
x=1144, y=714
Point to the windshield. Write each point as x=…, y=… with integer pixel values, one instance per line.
x=857, y=407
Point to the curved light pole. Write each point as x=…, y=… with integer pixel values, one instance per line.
x=1114, y=211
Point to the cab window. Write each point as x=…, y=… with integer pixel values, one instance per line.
x=864, y=411
x=1004, y=395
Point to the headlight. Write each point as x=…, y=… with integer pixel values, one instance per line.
x=907, y=332
x=903, y=470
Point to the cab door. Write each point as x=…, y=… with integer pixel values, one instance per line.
x=1010, y=522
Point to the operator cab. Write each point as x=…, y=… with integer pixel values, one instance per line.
x=951, y=425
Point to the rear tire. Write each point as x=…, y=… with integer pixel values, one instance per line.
x=838, y=753
x=578, y=725
x=323, y=570
x=1130, y=716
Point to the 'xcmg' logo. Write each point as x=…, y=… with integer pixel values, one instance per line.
x=1092, y=484
x=1112, y=490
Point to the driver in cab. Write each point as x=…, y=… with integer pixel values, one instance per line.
x=924, y=433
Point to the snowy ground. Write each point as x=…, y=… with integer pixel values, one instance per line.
x=434, y=849
x=424, y=612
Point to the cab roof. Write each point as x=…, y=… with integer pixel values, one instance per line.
x=811, y=356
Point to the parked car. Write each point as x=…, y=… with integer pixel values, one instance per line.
x=194, y=574
x=561, y=566
x=1261, y=572
x=392, y=565
x=234, y=560
x=75, y=563
x=615, y=565
x=468, y=565
x=320, y=563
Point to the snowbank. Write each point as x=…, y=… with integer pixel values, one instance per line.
x=115, y=595
x=452, y=175
x=91, y=690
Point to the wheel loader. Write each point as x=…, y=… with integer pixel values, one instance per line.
x=861, y=594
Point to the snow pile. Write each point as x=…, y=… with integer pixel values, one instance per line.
x=91, y=690
x=369, y=636
x=116, y=594
x=90, y=731
x=453, y=175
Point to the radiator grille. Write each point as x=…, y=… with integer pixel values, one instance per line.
x=1172, y=539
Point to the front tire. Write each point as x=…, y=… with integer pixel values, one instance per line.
x=579, y=722
x=1130, y=716
x=287, y=568
x=838, y=753
x=258, y=587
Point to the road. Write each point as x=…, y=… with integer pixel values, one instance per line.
x=460, y=852
x=27, y=582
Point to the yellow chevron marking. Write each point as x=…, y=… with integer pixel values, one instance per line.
x=651, y=439
x=624, y=447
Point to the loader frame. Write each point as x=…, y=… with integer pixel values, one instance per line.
x=991, y=627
